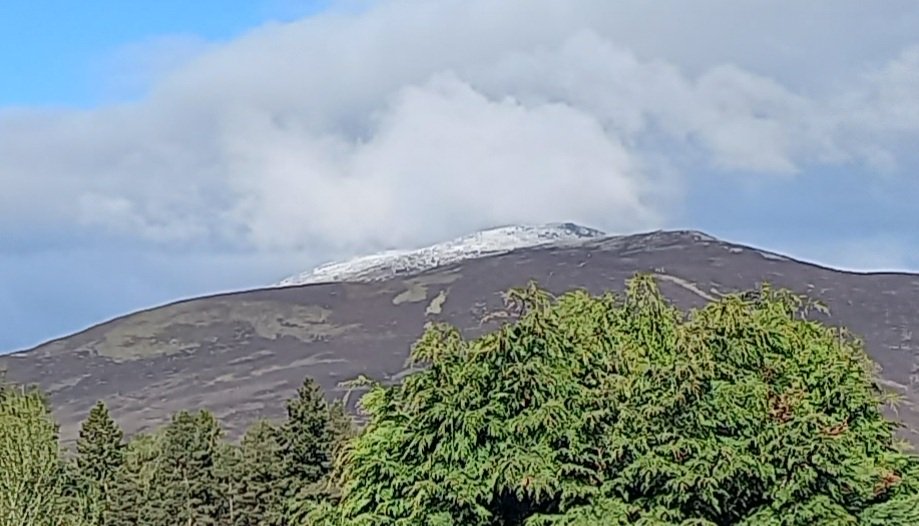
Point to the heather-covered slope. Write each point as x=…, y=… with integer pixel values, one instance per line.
x=243, y=354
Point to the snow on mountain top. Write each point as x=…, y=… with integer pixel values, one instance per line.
x=384, y=265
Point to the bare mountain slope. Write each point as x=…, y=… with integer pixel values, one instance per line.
x=242, y=354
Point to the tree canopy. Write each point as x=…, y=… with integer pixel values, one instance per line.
x=606, y=410
x=31, y=469
x=100, y=454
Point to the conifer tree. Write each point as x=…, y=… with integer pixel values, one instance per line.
x=589, y=410
x=310, y=440
x=305, y=440
x=259, y=478
x=100, y=446
x=226, y=473
x=100, y=453
x=314, y=507
x=130, y=501
x=186, y=489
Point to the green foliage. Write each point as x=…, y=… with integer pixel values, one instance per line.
x=100, y=447
x=341, y=427
x=310, y=440
x=31, y=470
x=132, y=487
x=184, y=474
x=100, y=454
x=596, y=410
x=185, y=484
x=580, y=411
x=306, y=439
x=283, y=472
x=259, y=498
x=226, y=474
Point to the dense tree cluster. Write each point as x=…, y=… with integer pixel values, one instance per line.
x=185, y=474
x=580, y=410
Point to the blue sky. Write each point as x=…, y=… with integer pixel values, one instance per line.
x=151, y=151
x=58, y=52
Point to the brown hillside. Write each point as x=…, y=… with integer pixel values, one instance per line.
x=241, y=355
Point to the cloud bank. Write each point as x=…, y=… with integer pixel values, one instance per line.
x=399, y=123
x=405, y=121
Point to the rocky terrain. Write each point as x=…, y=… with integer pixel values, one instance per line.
x=243, y=354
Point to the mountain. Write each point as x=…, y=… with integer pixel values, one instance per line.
x=392, y=263
x=243, y=354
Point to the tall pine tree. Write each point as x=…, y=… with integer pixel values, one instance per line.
x=309, y=441
x=226, y=475
x=259, y=478
x=100, y=454
x=306, y=440
x=130, y=501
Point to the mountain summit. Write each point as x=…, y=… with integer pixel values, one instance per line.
x=392, y=263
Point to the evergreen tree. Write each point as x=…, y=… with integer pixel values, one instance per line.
x=130, y=501
x=31, y=468
x=306, y=438
x=100, y=446
x=100, y=453
x=186, y=486
x=226, y=473
x=259, y=478
x=309, y=441
x=589, y=410
x=307, y=509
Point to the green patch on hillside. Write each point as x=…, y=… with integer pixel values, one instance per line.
x=416, y=289
x=182, y=327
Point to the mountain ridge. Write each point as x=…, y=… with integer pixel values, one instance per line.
x=285, y=283
x=242, y=353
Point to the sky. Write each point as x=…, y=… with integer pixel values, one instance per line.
x=151, y=151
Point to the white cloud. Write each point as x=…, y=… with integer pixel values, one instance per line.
x=887, y=99
x=411, y=121
x=441, y=153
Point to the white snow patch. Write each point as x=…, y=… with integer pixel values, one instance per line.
x=385, y=265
